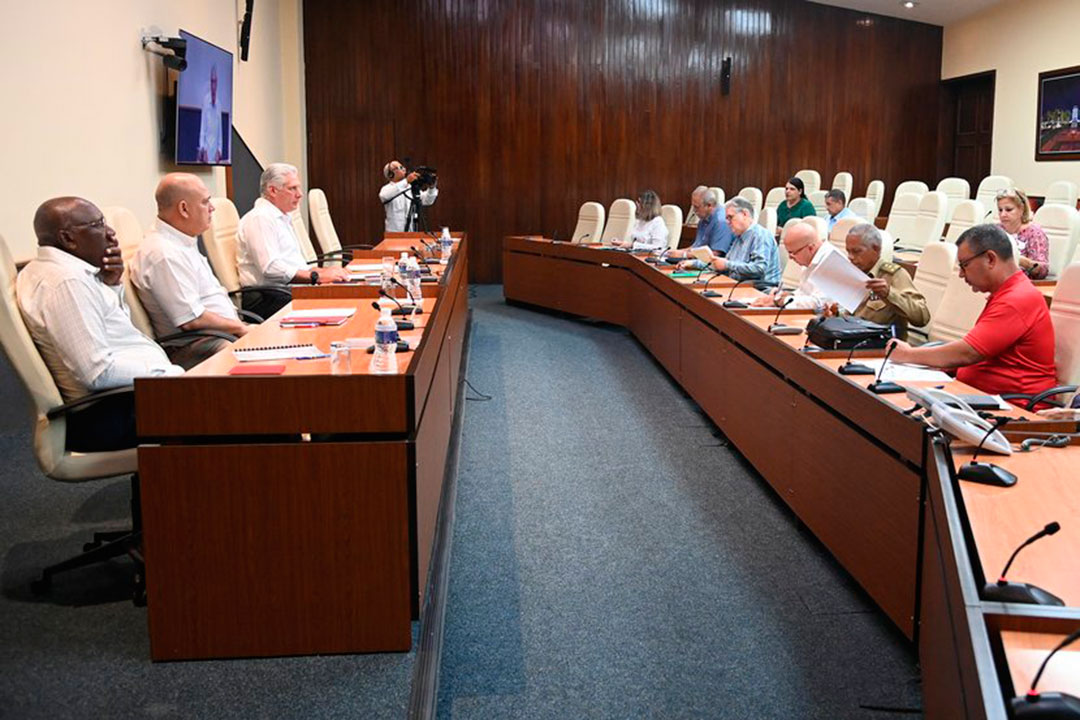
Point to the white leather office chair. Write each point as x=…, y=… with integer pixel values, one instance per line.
x=330, y=247
x=912, y=187
x=875, y=193
x=590, y=223
x=755, y=197
x=819, y=224
x=955, y=189
x=886, y=246
x=845, y=182
x=902, y=216
x=1062, y=192
x=966, y=214
x=838, y=235
x=307, y=249
x=620, y=221
x=220, y=240
x=774, y=197
x=1062, y=227
x=791, y=271
x=767, y=219
x=930, y=220
x=958, y=310
x=1065, y=314
x=936, y=265
x=673, y=217
x=50, y=427
x=864, y=208
x=811, y=180
x=990, y=186
x=129, y=234
x=720, y=197
x=817, y=199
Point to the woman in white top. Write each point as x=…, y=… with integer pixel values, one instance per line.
x=649, y=232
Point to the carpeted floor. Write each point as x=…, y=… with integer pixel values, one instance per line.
x=613, y=558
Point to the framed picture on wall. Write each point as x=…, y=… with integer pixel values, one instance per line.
x=1057, y=127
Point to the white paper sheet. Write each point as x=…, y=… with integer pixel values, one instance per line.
x=320, y=313
x=838, y=279
x=899, y=372
x=358, y=269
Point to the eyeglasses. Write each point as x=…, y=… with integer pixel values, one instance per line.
x=796, y=252
x=964, y=263
x=93, y=224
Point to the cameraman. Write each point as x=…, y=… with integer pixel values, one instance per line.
x=398, y=188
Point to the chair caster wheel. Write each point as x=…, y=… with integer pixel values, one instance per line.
x=41, y=586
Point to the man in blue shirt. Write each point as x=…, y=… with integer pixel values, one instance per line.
x=712, y=231
x=836, y=204
x=753, y=254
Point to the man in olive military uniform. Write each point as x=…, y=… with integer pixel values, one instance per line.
x=893, y=299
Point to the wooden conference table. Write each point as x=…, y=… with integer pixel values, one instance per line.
x=851, y=464
x=295, y=513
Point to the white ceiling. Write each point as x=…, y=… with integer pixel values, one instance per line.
x=934, y=12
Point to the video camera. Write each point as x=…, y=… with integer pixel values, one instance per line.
x=426, y=177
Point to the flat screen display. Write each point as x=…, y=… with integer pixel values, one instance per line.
x=204, y=95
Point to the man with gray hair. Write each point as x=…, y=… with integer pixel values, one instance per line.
x=753, y=254
x=695, y=203
x=712, y=231
x=268, y=251
x=894, y=299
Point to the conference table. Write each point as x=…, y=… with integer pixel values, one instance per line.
x=873, y=482
x=295, y=513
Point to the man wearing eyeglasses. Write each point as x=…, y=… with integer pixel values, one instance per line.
x=1011, y=347
x=806, y=248
x=72, y=301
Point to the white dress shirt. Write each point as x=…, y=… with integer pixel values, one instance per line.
x=174, y=281
x=807, y=296
x=210, y=129
x=82, y=328
x=398, y=208
x=267, y=251
x=649, y=234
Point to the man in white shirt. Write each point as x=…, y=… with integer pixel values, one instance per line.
x=210, y=123
x=72, y=301
x=174, y=281
x=268, y=251
x=396, y=195
x=806, y=248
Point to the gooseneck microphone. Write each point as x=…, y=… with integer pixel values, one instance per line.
x=402, y=324
x=1005, y=591
x=779, y=328
x=984, y=472
x=658, y=259
x=730, y=302
x=884, y=388
x=1047, y=705
x=420, y=256
x=854, y=368
x=400, y=309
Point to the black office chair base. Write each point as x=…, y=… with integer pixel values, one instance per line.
x=128, y=544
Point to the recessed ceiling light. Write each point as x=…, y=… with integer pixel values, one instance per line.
x=909, y=4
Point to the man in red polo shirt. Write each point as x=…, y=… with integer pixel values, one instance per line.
x=1011, y=347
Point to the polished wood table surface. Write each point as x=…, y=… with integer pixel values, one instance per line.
x=295, y=513
x=856, y=465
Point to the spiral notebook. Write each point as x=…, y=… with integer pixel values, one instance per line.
x=278, y=352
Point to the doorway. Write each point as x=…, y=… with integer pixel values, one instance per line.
x=967, y=127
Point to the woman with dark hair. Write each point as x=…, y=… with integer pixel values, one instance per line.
x=649, y=231
x=795, y=205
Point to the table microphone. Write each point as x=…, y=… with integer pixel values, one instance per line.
x=400, y=309
x=729, y=303
x=581, y=239
x=401, y=324
x=984, y=472
x=409, y=308
x=1005, y=591
x=779, y=328
x=854, y=368
x=884, y=388
x=1047, y=705
x=420, y=255
x=657, y=260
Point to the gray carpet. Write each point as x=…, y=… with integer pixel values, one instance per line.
x=613, y=558
x=83, y=652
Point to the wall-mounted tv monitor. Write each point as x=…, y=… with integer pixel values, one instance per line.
x=204, y=105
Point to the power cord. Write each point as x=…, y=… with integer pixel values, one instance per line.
x=479, y=396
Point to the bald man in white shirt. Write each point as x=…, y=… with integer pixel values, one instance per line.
x=72, y=301
x=174, y=280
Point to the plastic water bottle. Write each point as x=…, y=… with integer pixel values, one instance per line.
x=412, y=281
x=386, y=338
x=446, y=246
x=403, y=265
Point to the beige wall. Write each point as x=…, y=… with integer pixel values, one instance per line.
x=1019, y=39
x=83, y=111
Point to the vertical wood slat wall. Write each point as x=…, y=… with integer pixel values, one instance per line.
x=528, y=108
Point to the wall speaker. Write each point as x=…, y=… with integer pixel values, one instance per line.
x=725, y=77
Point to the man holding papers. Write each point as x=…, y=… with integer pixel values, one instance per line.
x=1011, y=347
x=752, y=255
x=806, y=248
x=893, y=298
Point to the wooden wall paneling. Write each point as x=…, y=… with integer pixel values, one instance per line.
x=530, y=108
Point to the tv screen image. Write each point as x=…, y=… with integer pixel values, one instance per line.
x=204, y=105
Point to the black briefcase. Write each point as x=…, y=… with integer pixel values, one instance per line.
x=844, y=333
